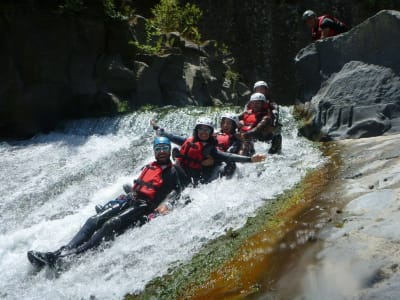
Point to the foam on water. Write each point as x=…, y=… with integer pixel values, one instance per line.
x=52, y=183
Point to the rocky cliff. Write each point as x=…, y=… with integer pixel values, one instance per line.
x=353, y=81
x=265, y=36
x=58, y=65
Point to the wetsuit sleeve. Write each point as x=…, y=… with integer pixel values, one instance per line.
x=174, y=138
x=328, y=23
x=265, y=121
x=235, y=147
x=229, y=157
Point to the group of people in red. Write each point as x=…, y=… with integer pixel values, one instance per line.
x=204, y=156
x=201, y=158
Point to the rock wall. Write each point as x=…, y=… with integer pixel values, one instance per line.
x=265, y=36
x=57, y=66
x=353, y=81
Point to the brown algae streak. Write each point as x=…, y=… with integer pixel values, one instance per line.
x=262, y=258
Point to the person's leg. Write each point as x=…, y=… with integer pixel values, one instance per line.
x=211, y=173
x=40, y=259
x=247, y=148
x=115, y=225
x=92, y=224
x=229, y=169
x=276, y=144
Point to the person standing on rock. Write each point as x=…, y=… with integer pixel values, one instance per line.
x=323, y=26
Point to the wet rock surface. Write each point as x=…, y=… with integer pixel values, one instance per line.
x=359, y=256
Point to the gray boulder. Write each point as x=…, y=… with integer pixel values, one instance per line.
x=353, y=82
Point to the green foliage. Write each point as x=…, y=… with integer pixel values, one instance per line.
x=122, y=13
x=123, y=107
x=169, y=16
x=147, y=107
x=144, y=48
x=223, y=49
x=232, y=76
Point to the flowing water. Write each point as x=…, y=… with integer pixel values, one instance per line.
x=51, y=183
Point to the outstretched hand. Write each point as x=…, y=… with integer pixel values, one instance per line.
x=258, y=157
x=154, y=124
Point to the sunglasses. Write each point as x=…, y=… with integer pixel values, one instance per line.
x=162, y=148
x=204, y=129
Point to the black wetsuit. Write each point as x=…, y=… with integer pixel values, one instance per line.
x=124, y=212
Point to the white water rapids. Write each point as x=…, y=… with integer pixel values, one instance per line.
x=51, y=183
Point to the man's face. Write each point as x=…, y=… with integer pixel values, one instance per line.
x=203, y=132
x=257, y=105
x=310, y=22
x=162, y=152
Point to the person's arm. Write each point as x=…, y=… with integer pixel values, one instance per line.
x=176, y=139
x=180, y=181
x=168, y=203
x=235, y=147
x=230, y=157
x=326, y=26
x=265, y=121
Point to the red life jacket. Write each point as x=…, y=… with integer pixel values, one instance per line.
x=340, y=27
x=150, y=180
x=251, y=119
x=191, y=154
x=224, y=141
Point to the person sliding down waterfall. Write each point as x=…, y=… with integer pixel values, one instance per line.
x=274, y=131
x=227, y=140
x=198, y=155
x=256, y=123
x=158, y=181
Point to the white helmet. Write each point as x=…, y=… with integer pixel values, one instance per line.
x=308, y=14
x=232, y=117
x=205, y=121
x=258, y=97
x=260, y=83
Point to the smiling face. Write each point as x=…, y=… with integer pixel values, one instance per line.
x=227, y=125
x=203, y=132
x=162, y=152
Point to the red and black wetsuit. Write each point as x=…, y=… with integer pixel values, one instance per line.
x=155, y=183
x=335, y=27
x=192, y=165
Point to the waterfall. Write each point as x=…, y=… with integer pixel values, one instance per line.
x=52, y=182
